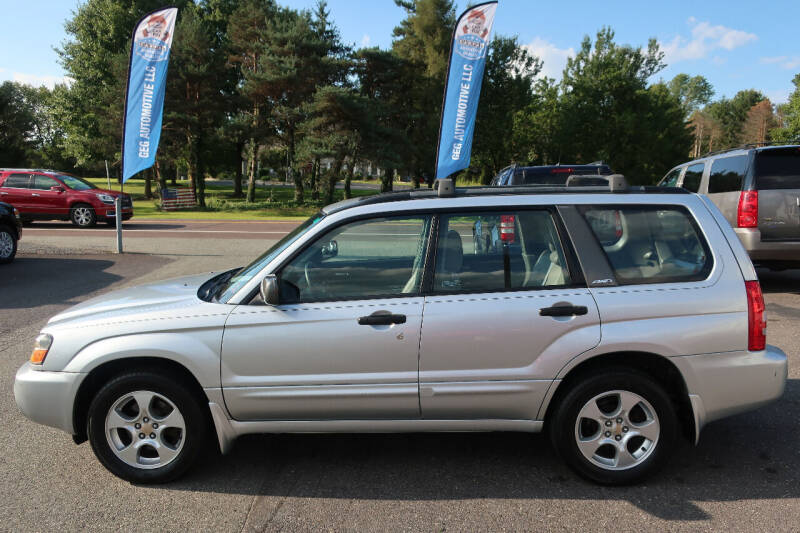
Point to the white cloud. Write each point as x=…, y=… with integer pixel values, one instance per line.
x=554, y=59
x=705, y=38
x=35, y=80
x=780, y=96
x=785, y=62
x=365, y=40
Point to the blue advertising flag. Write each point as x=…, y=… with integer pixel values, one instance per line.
x=463, y=88
x=144, y=99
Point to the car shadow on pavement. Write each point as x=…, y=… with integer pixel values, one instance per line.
x=787, y=281
x=101, y=226
x=34, y=281
x=752, y=456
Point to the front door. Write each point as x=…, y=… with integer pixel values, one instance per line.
x=45, y=200
x=345, y=344
x=506, y=312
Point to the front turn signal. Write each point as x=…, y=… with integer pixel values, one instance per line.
x=40, y=348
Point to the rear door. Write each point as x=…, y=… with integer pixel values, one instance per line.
x=777, y=179
x=504, y=309
x=16, y=191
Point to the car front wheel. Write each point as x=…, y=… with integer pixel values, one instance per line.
x=83, y=216
x=8, y=245
x=145, y=427
x=615, y=428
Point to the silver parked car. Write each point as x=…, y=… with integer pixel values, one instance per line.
x=618, y=322
x=758, y=191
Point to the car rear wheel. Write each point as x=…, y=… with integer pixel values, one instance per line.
x=615, y=428
x=82, y=215
x=8, y=245
x=146, y=428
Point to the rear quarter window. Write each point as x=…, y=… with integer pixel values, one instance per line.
x=778, y=169
x=727, y=174
x=650, y=244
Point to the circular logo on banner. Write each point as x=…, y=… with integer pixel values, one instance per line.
x=152, y=43
x=471, y=43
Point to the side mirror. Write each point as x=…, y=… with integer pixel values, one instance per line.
x=331, y=249
x=269, y=290
x=57, y=188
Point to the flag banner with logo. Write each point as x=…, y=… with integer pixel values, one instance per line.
x=144, y=98
x=463, y=88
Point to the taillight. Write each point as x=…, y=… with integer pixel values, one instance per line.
x=747, y=215
x=756, y=318
x=507, y=228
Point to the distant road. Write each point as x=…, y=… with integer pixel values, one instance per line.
x=168, y=229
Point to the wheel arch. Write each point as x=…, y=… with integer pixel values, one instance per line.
x=103, y=373
x=659, y=368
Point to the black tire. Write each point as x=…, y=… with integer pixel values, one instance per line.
x=7, y=236
x=83, y=215
x=164, y=385
x=563, y=430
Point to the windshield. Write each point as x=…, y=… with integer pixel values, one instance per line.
x=233, y=285
x=76, y=184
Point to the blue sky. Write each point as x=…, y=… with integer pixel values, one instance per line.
x=736, y=45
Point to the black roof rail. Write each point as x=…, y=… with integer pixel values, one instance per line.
x=446, y=191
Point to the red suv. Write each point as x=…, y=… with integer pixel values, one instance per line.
x=51, y=195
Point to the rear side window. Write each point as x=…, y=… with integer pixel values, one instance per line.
x=497, y=251
x=650, y=244
x=17, y=181
x=727, y=174
x=691, y=180
x=778, y=169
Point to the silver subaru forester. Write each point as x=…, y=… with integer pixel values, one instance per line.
x=616, y=320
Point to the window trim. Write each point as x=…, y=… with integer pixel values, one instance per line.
x=573, y=269
x=701, y=276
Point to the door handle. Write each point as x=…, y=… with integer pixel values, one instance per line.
x=381, y=318
x=564, y=310
x=34, y=194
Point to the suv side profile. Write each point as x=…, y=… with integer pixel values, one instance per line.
x=547, y=175
x=616, y=322
x=758, y=191
x=51, y=195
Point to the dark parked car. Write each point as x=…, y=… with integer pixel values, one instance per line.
x=51, y=195
x=758, y=191
x=547, y=175
x=10, y=232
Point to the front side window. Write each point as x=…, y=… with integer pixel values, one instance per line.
x=381, y=257
x=671, y=179
x=43, y=182
x=727, y=174
x=650, y=244
x=17, y=181
x=691, y=180
x=496, y=251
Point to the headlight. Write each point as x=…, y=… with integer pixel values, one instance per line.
x=40, y=348
x=106, y=198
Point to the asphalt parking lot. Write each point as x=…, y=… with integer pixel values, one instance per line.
x=743, y=476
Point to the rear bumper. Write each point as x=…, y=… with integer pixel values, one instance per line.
x=725, y=384
x=47, y=397
x=767, y=250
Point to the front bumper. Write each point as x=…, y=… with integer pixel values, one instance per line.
x=767, y=250
x=725, y=384
x=47, y=397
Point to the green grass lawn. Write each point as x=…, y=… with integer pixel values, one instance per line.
x=272, y=203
